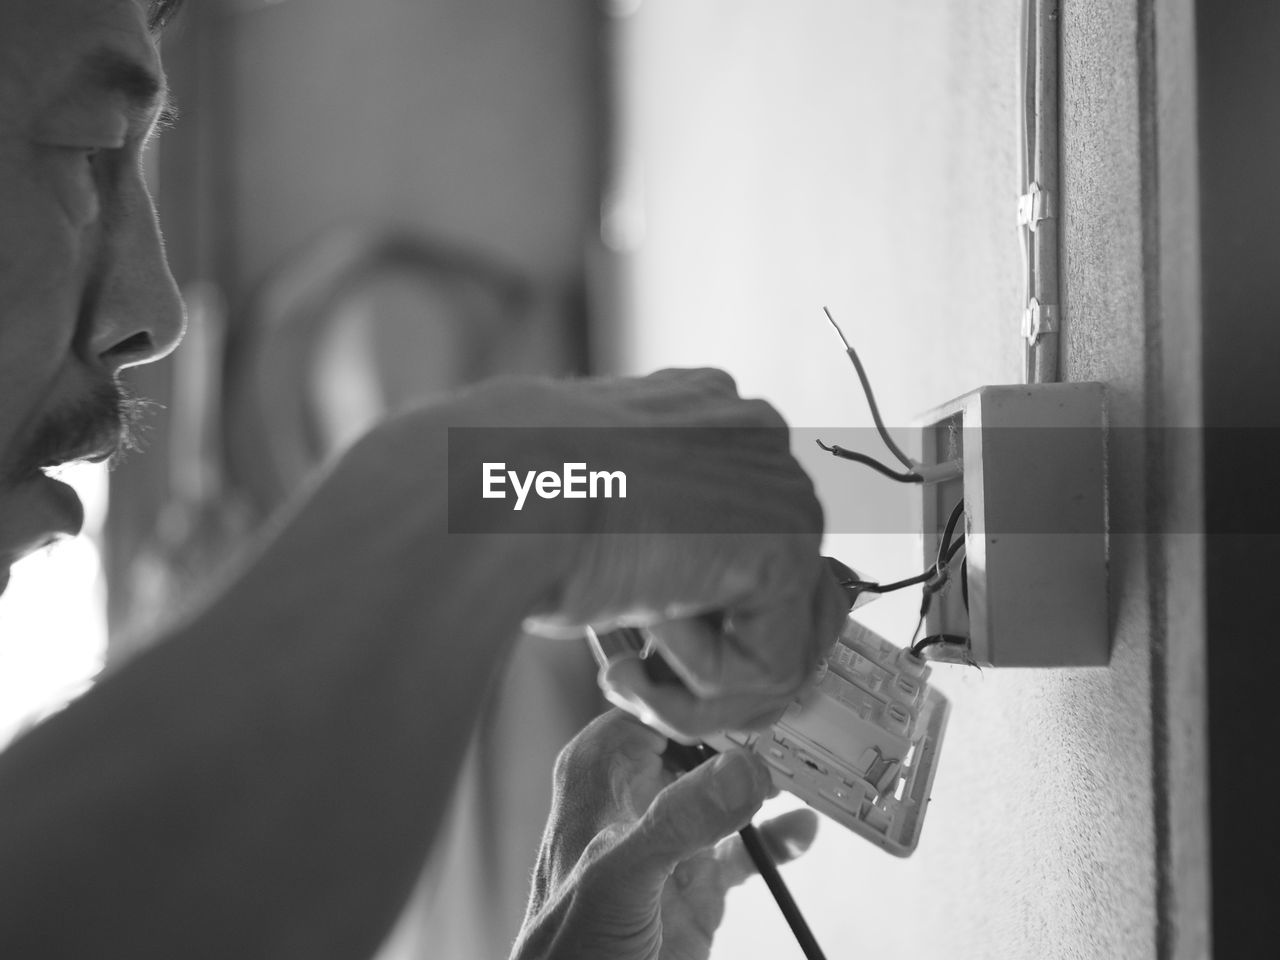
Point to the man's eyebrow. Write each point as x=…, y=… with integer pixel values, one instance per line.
x=114, y=71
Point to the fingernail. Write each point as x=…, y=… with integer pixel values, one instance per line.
x=734, y=777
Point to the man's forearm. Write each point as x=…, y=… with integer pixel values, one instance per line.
x=266, y=782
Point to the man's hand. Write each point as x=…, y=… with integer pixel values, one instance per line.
x=719, y=520
x=636, y=859
x=327, y=689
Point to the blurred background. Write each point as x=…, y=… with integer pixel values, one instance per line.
x=372, y=204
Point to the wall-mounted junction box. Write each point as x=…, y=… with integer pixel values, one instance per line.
x=1033, y=481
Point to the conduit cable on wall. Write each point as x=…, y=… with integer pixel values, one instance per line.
x=1038, y=91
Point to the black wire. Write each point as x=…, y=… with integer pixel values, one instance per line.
x=754, y=843
x=685, y=757
x=944, y=546
x=871, y=396
x=924, y=612
x=936, y=639
x=946, y=551
x=844, y=454
x=964, y=582
x=872, y=587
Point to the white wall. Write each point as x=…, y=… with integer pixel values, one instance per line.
x=862, y=155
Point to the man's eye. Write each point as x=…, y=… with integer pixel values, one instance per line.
x=78, y=155
x=97, y=163
x=95, y=156
x=91, y=153
x=86, y=165
x=81, y=181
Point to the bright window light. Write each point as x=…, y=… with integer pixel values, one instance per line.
x=53, y=617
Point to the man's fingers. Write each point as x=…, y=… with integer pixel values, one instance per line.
x=782, y=641
x=785, y=837
x=707, y=380
x=613, y=733
x=830, y=609
x=673, y=393
x=810, y=621
x=736, y=681
x=674, y=708
x=695, y=649
x=617, y=693
x=690, y=815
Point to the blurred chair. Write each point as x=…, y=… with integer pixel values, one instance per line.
x=361, y=322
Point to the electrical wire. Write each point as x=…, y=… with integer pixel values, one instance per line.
x=906, y=461
x=1026, y=133
x=754, y=843
x=946, y=550
x=936, y=639
x=838, y=451
x=924, y=612
x=933, y=579
x=1039, y=79
x=686, y=757
x=944, y=545
x=940, y=573
x=870, y=586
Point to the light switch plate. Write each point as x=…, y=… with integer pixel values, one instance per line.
x=861, y=742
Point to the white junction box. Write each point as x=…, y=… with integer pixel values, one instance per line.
x=1030, y=588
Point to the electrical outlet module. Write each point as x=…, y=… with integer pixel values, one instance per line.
x=861, y=743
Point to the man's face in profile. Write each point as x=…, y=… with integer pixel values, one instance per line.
x=84, y=287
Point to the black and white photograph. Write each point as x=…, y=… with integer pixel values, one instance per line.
x=639, y=479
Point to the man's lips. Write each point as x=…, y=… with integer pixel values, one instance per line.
x=99, y=450
x=66, y=504
x=62, y=509
x=34, y=513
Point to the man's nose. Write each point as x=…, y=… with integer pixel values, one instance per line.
x=139, y=315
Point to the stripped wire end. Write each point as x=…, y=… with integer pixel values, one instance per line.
x=900, y=476
x=839, y=332
x=902, y=458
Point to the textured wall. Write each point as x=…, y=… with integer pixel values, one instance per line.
x=863, y=155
